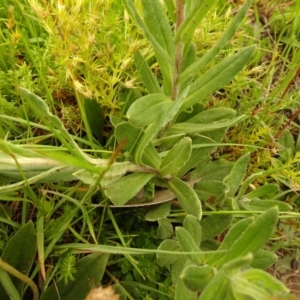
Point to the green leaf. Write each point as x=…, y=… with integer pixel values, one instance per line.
x=215, y=170
x=152, y=130
x=214, y=225
x=89, y=270
x=20, y=252
x=201, y=156
x=212, y=192
x=263, y=205
x=188, y=244
x=217, y=77
x=186, y=197
x=129, y=133
x=159, y=211
x=95, y=118
x=192, y=225
x=197, y=12
x=177, y=268
x=263, y=191
x=165, y=259
x=263, y=259
x=192, y=128
x=165, y=229
x=212, y=115
x=8, y=286
x=225, y=38
x=189, y=58
x=254, y=236
x=157, y=23
x=125, y=131
x=177, y=157
x=218, y=287
x=149, y=109
x=127, y=187
x=183, y=292
x=236, y=175
x=196, y=278
x=233, y=234
x=148, y=78
x=129, y=5
x=265, y=281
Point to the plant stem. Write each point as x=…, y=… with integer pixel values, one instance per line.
x=8, y=268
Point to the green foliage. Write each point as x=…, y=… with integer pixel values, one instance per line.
x=114, y=105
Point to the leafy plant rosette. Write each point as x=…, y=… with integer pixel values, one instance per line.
x=167, y=137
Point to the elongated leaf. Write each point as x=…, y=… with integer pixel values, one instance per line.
x=20, y=252
x=225, y=38
x=263, y=191
x=218, y=287
x=8, y=286
x=266, y=280
x=192, y=225
x=188, y=244
x=149, y=109
x=176, y=157
x=213, y=115
x=127, y=187
x=196, y=278
x=263, y=259
x=186, y=197
x=89, y=269
x=233, y=234
x=236, y=175
x=95, y=118
x=128, y=4
x=263, y=205
x=146, y=74
x=217, y=77
x=243, y=287
x=254, y=236
x=192, y=20
x=192, y=128
x=157, y=23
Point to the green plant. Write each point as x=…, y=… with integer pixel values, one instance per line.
x=159, y=149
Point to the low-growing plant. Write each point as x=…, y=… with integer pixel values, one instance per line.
x=158, y=154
